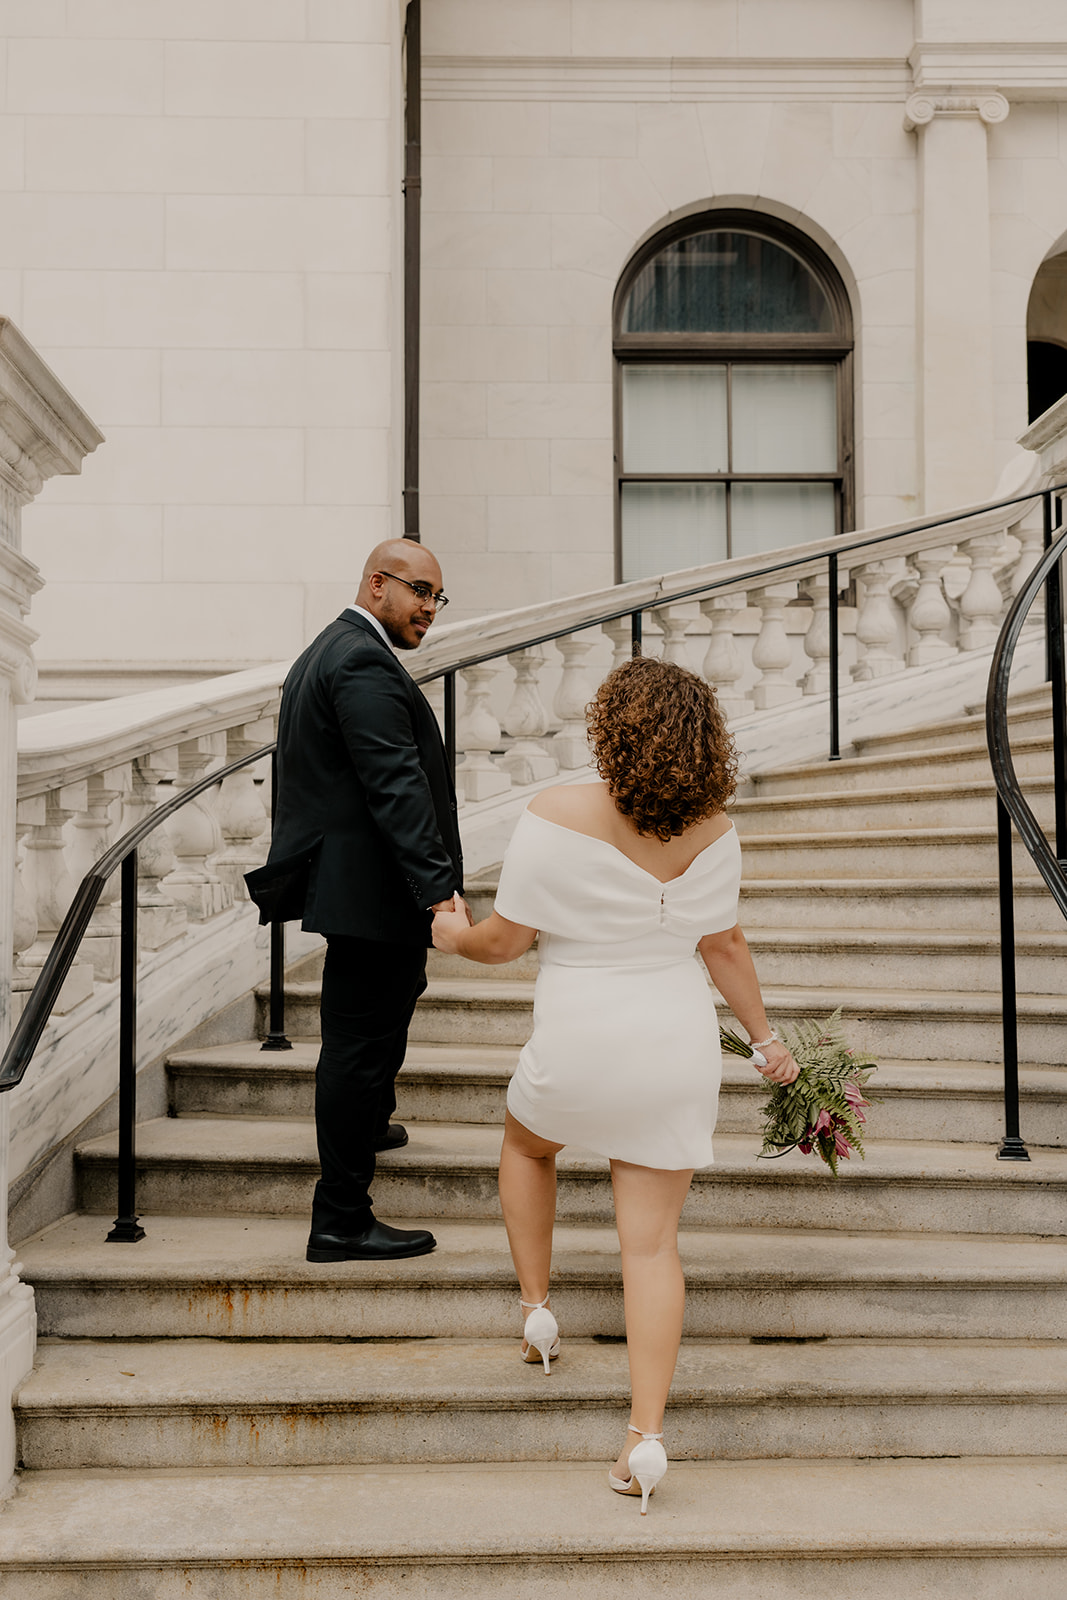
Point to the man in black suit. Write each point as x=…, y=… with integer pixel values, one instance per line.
x=365, y=846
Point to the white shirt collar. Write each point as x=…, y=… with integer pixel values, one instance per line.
x=375, y=624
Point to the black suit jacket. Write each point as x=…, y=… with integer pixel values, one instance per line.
x=366, y=833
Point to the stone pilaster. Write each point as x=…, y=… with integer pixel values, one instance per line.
x=955, y=292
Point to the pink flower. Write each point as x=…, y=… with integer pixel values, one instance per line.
x=854, y=1094
x=823, y=1123
x=842, y=1145
x=804, y=1145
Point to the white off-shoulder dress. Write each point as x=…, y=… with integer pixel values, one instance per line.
x=624, y=1059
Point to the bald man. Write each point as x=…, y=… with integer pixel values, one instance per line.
x=365, y=847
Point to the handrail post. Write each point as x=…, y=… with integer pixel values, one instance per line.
x=276, y=1037
x=127, y=1229
x=835, y=710
x=635, y=633
x=1012, y=1147
x=1054, y=661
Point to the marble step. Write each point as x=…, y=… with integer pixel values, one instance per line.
x=971, y=1529
x=897, y=904
x=967, y=762
x=227, y=1403
x=1025, y=721
x=245, y=1277
x=204, y=1165
x=961, y=1101
x=905, y=960
x=955, y=853
x=918, y=805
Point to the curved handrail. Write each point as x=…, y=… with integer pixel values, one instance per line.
x=997, y=734
x=60, y=958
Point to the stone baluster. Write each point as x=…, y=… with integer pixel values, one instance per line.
x=929, y=613
x=817, y=641
x=981, y=602
x=29, y=814
x=240, y=808
x=571, y=744
x=723, y=665
x=526, y=720
x=196, y=837
x=876, y=625
x=478, y=734
x=160, y=919
x=772, y=653
x=620, y=632
x=674, y=620
x=51, y=886
x=92, y=831
x=1031, y=537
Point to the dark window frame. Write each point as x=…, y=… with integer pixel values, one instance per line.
x=836, y=348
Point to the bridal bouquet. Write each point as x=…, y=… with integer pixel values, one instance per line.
x=823, y=1108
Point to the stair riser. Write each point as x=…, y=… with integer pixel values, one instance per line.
x=591, y=1306
x=542, y=1429
x=442, y=966
x=765, y=906
x=905, y=811
x=906, y=771
x=868, y=856
x=901, y=1116
x=909, y=971
x=1024, y=725
x=783, y=1198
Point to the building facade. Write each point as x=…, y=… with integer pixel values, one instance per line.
x=698, y=277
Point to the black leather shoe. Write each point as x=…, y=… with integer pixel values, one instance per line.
x=379, y=1243
x=394, y=1137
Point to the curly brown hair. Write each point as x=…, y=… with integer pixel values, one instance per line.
x=662, y=746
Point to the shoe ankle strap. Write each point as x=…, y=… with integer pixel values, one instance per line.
x=534, y=1305
x=631, y=1429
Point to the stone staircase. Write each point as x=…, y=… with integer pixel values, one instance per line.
x=872, y=1385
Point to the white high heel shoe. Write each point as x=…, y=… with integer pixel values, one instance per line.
x=541, y=1332
x=648, y=1464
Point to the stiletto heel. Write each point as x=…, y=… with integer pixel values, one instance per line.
x=541, y=1332
x=648, y=1463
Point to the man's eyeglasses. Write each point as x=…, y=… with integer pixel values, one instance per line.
x=421, y=590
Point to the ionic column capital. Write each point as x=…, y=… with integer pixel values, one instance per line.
x=924, y=105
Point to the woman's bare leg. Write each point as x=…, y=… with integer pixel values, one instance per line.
x=648, y=1204
x=528, y=1201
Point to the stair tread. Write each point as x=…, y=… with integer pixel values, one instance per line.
x=412, y=1373
x=812, y=1001
x=897, y=759
x=241, y=1250
x=960, y=788
x=532, y=1510
x=459, y=1147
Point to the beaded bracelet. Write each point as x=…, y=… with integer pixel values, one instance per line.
x=772, y=1038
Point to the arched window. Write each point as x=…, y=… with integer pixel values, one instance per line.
x=1046, y=336
x=733, y=346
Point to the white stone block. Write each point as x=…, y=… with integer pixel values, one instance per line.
x=348, y=310
x=582, y=466
x=12, y=153
x=549, y=410
x=254, y=79
x=453, y=410
x=1019, y=244
x=555, y=524
x=890, y=468
x=484, y=354
x=580, y=128
x=485, y=27
x=833, y=28
x=580, y=355
x=458, y=183
x=479, y=239
x=887, y=300
x=1042, y=186
x=348, y=467
x=545, y=183
x=551, y=298
x=629, y=198
x=85, y=76
x=574, y=574
x=293, y=544
x=172, y=622
x=201, y=309
x=170, y=155
x=669, y=28
x=491, y=128
x=889, y=411
x=894, y=187
x=277, y=234
x=190, y=466
x=93, y=543
x=115, y=386
x=799, y=150
x=455, y=297
x=589, y=244
x=454, y=522
x=277, y=388
x=357, y=20
x=82, y=231
x=192, y=19
x=1031, y=132
x=880, y=510
x=323, y=602
x=346, y=156
x=886, y=243
x=735, y=138
x=871, y=129
x=670, y=147
x=34, y=19
x=11, y=296
x=495, y=581
x=841, y=198
x=485, y=466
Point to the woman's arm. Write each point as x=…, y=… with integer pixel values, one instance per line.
x=729, y=961
x=492, y=941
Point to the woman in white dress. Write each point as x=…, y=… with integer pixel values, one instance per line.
x=623, y=880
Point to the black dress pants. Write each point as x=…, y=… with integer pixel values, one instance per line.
x=369, y=990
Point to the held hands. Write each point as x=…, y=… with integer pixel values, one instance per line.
x=451, y=919
x=780, y=1066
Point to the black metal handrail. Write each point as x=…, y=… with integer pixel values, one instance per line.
x=1012, y=806
x=61, y=957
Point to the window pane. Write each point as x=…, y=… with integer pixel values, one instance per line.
x=768, y=516
x=726, y=282
x=668, y=526
x=674, y=419
x=785, y=419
